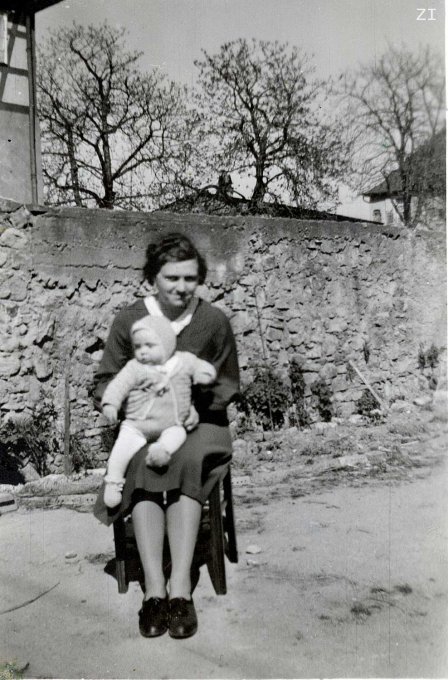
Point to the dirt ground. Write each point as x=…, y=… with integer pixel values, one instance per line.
x=348, y=577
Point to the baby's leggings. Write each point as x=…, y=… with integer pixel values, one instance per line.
x=130, y=440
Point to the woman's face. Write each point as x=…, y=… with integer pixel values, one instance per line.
x=176, y=284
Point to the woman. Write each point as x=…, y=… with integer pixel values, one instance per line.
x=170, y=498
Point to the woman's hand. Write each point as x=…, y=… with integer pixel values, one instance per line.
x=192, y=420
x=110, y=413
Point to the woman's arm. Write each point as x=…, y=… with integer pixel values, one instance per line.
x=117, y=352
x=227, y=385
x=210, y=337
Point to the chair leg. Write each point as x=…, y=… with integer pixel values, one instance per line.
x=221, y=540
x=216, y=566
x=120, y=555
x=232, y=550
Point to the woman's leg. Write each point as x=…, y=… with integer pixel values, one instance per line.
x=148, y=518
x=183, y=518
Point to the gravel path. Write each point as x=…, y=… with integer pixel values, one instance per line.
x=349, y=581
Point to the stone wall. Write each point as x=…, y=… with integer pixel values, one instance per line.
x=319, y=291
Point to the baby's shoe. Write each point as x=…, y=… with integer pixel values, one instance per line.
x=157, y=455
x=113, y=491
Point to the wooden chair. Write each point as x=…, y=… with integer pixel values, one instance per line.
x=216, y=538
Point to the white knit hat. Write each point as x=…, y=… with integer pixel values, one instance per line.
x=161, y=327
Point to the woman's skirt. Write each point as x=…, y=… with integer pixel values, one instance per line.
x=193, y=471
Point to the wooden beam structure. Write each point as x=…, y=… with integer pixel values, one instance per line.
x=20, y=171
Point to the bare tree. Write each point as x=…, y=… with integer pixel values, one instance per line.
x=190, y=163
x=395, y=115
x=259, y=115
x=105, y=126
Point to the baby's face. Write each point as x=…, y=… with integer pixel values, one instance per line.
x=148, y=348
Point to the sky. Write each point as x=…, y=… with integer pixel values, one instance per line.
x=340, y=34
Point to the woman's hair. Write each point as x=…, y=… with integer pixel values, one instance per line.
x=173, y=247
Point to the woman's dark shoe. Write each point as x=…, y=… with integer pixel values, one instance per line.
x=153, y=617
x=183, y=620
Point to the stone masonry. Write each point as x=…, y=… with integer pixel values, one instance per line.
x=321, y=292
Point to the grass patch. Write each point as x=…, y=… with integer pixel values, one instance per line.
x=9, y=670
x=407, y=428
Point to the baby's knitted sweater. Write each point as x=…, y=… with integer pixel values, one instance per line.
x=158, y=395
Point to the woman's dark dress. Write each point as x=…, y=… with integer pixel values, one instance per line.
x=194, y=466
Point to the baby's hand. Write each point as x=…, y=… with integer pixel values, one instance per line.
x=157, y=455
x=192, y=420
x=110, y=412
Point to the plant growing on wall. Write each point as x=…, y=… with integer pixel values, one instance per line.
x=322, y=394
x=366, y=404
x=81, y=457
x=35, y=438
x=265, y=398
x=297, y=381
x=366, y=351
x=428, y=360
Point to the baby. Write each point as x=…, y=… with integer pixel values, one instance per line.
x=155, y=387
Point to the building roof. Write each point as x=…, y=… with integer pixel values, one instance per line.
x=433, y=150
x=26, y=6
x=205, y=202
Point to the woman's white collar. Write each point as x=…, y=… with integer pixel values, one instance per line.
x=182, y=321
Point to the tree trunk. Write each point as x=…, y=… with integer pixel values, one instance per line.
x=73, y=166
x=259, y=191
x=407, y=211
x=108, y=183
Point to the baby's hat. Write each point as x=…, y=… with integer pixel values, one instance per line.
x=162, y=328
